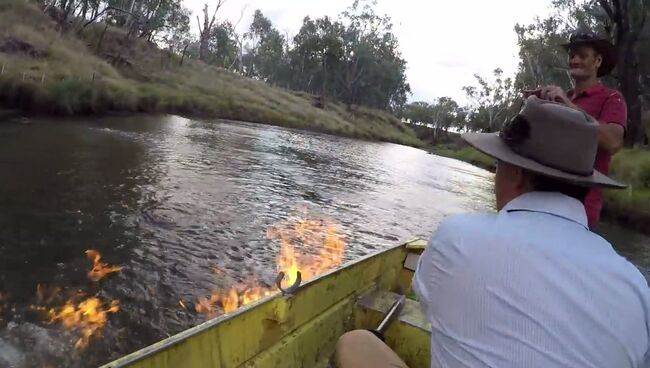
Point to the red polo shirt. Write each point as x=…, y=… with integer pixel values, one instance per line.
x=608, y=107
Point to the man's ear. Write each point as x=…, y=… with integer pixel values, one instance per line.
x=599, y=60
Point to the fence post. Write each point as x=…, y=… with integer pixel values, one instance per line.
x=93, y=77
x=43, y=78
x=23, y=76
x=3, y=69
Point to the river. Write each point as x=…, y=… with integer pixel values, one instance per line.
x=171, y=200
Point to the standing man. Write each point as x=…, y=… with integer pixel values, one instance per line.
x=591, y=57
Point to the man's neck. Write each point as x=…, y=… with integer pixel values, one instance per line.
x=581, y=85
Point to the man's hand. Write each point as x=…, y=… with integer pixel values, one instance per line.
x=532, y=92
x=556, y=94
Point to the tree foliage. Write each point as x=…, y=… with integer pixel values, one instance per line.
x=354, y=59
x=490, y=102
x=542, y=61
x=265, y=52
x=439, y=116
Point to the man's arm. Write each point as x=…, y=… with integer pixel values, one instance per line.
x=614, y=116
x=612, y=120
x=610, y=137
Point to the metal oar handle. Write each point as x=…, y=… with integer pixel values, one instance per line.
x=291, y=289
x=392, y=313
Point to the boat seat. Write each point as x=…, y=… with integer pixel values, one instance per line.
x=411, y=314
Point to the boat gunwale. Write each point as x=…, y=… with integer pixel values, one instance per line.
x=179, y=337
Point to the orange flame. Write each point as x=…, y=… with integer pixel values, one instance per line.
x=100, y=269
x=88, y=317
x=318, y=237
x=207, y=305
x=230, y=301
x=253, y=294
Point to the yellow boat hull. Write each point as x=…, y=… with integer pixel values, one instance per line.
x=301, y=330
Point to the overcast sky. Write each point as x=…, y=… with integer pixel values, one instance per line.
x=444, y=42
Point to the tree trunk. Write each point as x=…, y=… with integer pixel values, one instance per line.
x=129, y=17
x=203, y=46
x=84, y=10
x=627, y=32
x=65, y=8
x=204, y=36
x=101, y=39
x=631, y=89
x=204, y=33
x=490, y=119
x=183, y=54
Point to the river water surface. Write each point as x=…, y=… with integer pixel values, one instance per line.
x=171, y=200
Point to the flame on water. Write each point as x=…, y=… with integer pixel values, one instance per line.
x=207, y=305
x=100, y=269
x=87, y=317
x=324, y=249
x=254, y=293
x=319, y=237
x=230, y=301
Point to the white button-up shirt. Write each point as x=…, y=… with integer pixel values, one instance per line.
x=531, y=286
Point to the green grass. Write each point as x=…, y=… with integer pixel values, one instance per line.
x=631, y=205
x=153, y=81
x=633, y=167
x=467, y=154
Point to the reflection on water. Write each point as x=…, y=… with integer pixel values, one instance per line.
x=171, y=199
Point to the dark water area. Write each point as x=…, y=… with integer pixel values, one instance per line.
x=172, y=199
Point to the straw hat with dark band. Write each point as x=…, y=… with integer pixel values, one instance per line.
x=550, y=139
x=602, y=46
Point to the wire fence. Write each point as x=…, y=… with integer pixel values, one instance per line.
x=43, y=76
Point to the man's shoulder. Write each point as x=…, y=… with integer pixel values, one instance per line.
x=614, y=108
x=472, y=219
x=610, y=90
x=614, y=94
x=457, y=238
x=475, y=224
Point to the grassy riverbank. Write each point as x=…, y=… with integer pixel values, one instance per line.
x=632, y=205
x=47, y=72
x=467, y=154
x=629, y=207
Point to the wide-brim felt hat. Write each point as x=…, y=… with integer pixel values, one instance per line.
x=550, y=139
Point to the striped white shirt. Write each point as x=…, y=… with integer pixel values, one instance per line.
x=530, y=287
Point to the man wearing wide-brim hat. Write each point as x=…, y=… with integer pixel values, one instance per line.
x=591, y=57
x=532, y=286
